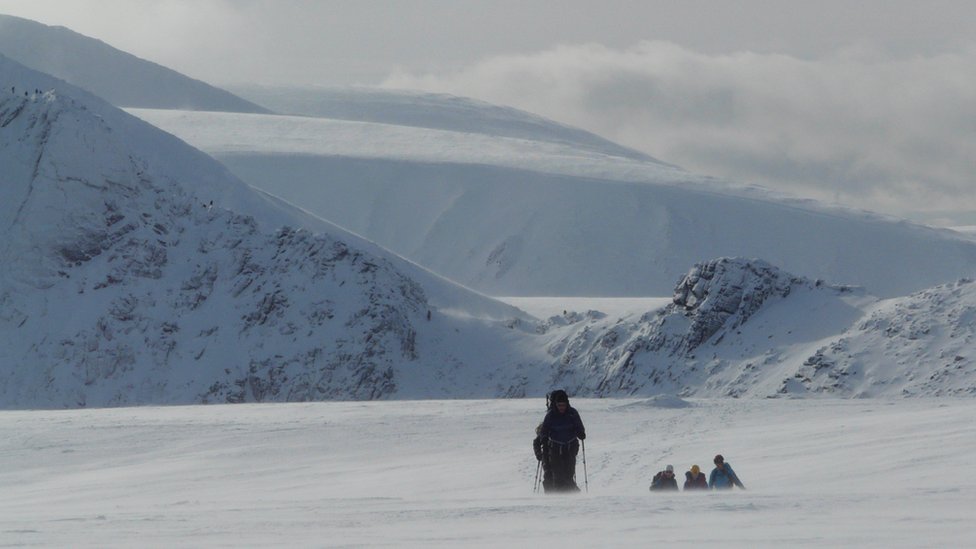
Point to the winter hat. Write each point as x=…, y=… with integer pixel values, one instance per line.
x=559, y=395
x=669, y=468
x=695, y=470
x=719, y=459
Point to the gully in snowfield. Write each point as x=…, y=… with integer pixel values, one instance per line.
x=561, y=432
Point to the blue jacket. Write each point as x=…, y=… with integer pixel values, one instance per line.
x=562, y=428
x=724, y=478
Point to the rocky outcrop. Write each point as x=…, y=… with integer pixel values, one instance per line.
x=721, y=295
x=672, y=349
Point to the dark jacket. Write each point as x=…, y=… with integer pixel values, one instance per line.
x=562, y=428
x=662, y=482
x=724, y=478
x=695, y=483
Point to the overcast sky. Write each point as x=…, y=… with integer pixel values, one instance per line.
x=869, y=103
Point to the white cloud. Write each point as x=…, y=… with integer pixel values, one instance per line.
x=859, y=127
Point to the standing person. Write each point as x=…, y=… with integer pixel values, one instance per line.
x=561, y=431
x=664, y=480
x=695, y=479
x=539, y=446
x=723, y=476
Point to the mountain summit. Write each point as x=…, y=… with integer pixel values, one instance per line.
x=136, y=269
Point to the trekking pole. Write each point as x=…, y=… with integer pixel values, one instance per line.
x=535, y=485
x=586, y=481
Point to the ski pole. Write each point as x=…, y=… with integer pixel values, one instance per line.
x=535, y=485
x=586, y=481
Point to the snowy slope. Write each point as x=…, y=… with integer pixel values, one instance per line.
x=428, y=110
x=819, y=473
x=121, y=78
x=528, y=217
x=921, y=344
x=122, y=284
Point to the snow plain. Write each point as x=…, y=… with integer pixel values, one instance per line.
x=864, y=473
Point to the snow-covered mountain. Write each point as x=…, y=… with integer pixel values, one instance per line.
x=118, y=77
x=545, y=214
x=741, y=327
x=135, y=269
x=497, y=199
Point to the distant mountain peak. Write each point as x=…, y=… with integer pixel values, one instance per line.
x=119, y=77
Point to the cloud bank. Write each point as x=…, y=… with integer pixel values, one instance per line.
x=858, y=127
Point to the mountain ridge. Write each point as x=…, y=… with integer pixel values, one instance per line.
x=516, y=217
x=138, y=270
x=119, y=77
x=430, y=110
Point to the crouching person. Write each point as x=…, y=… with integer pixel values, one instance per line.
x=695, y=479
x=664, y=480
x=723, y=476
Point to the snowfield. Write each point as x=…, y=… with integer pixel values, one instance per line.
x=832, y=473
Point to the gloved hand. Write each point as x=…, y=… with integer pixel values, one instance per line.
x=582, y=436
